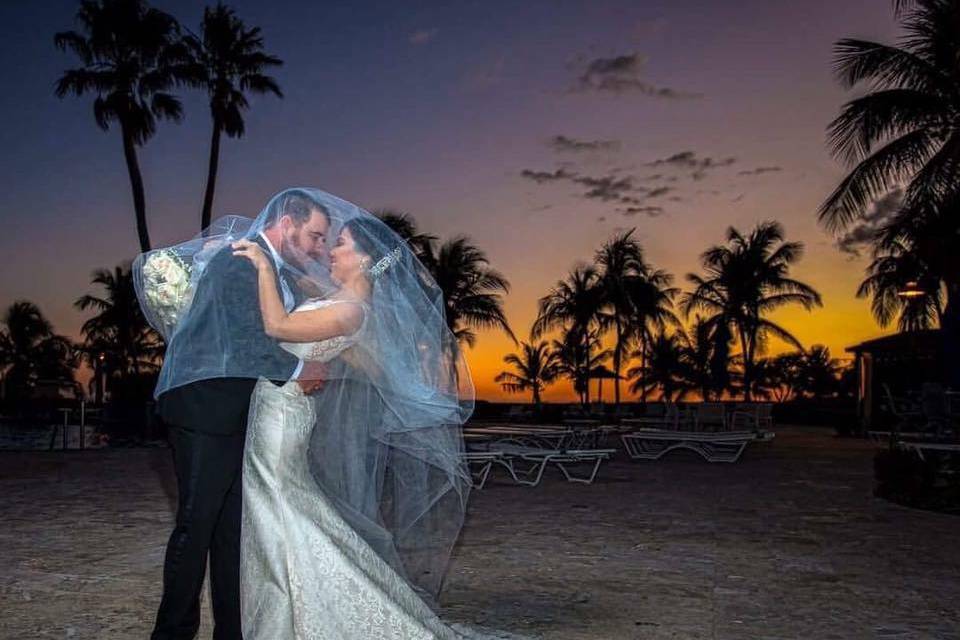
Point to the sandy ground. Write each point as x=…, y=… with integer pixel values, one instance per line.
x=786, y=543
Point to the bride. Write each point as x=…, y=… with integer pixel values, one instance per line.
x=353, y=496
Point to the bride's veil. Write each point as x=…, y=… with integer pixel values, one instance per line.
x=387, y=446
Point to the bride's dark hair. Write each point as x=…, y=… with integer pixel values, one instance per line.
x=372, y=237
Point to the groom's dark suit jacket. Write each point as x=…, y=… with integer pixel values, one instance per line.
x=227, y=295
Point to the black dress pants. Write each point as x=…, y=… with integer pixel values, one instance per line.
x=209, y=509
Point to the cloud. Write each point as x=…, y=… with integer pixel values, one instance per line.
x=659, y=191
x=862, y=234
x=760, y=170
x=651, y=211
x=690, y=161
x=422, y=37
x=547, y=176
x=622, y=74
x=563, y=143
x=607, y=188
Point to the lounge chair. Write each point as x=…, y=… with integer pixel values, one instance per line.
x=539, y=458
x=480, y=463
x=652, y=444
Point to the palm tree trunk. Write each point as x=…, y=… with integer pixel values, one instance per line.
x=643, y=368
x=747, y=365
x=617, y=355
x=211, y=176
x=136, y=185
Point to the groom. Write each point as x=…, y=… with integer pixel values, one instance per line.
x=207, y=418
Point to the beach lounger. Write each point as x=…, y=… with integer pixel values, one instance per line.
x=480, y=463
x=538, y=458
x=652, y=444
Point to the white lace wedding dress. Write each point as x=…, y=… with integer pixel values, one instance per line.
x=305, y=573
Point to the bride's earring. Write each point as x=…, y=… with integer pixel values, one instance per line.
x=365, y=264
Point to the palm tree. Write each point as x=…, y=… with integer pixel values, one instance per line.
x=663, y=367
x=118, y=341
x=472, y=290
x=906, y=131
x=620, y=261
x=819, y=373
x=574, y=306
x=130, y=62
x=906, y=127
x=780, y=377
x=534, y=368
x=697, y=346
x=576, y=358
x=745, y=279
x=30, y=351
x=651, y=301
x=228, y=61
x=405, y=226
x=895, y=266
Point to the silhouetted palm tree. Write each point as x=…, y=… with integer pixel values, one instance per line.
x=472, y=290
x=906, y=131
x=662, y=367
x=746, y=279
x=30, y=351
x=405, y=226
x=819, y=373
x=129, y=58
x=777, y=378
x=893, y=269
x=118, y=340
x=534, y=368
x=228, y=61
x=620, y=261
x=575, y=307
x=651, y=300
x=576, y=358
x=697, y=352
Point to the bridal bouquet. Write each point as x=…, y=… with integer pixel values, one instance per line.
x=166, y=286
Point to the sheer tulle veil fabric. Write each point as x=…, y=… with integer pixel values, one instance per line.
x=386, y=447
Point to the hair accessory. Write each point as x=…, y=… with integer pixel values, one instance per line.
x=385, y=263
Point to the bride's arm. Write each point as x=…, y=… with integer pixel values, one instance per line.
x=305, y=326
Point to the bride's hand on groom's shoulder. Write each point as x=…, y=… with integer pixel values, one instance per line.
x=252, y=252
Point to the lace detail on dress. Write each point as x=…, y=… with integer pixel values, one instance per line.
x=324, y=350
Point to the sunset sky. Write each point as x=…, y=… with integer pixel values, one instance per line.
x=678, y=118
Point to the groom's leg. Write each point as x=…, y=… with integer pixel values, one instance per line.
x=205, y=467
x=225, y=562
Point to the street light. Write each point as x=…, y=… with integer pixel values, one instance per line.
x=911, y=290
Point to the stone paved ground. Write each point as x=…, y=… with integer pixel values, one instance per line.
x=787, y=543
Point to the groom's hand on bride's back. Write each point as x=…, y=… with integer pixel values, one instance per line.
x=312, y=377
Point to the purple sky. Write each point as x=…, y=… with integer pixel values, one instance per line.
x=437, y=108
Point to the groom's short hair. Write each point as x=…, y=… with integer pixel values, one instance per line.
x=299, y=205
